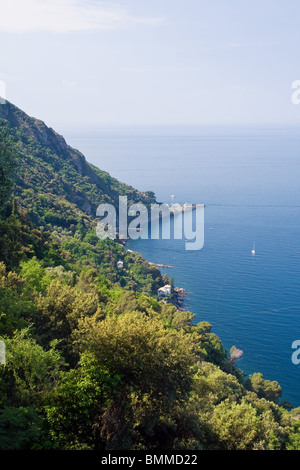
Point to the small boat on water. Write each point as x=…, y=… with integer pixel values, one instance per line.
x=253, y=250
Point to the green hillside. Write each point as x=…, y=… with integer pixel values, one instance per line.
x=54, y=181
x=57, y=192
x=93, y=360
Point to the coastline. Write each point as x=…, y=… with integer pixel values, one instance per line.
x=158, y=265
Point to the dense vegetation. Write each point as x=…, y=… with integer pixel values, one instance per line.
x=93, y=359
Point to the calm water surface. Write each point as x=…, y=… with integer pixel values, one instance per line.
x=248, y=180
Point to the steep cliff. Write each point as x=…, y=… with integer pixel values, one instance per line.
x=55, y=180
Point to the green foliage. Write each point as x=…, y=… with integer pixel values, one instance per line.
x=11, y=242
x=8, y=155
x=141, y=374
x=20, y=428
x=293, y=438
x=16, y=307
x=81, y=396
x=138, y=348
x=58, y=313
x=155, y=366
x=236, y=425
x=29, y=371
x=25, y=381
x=263, y=388
x=34, y=274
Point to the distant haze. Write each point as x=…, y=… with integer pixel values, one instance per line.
x=164, y=62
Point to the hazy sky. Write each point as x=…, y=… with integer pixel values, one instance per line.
x=88, y=62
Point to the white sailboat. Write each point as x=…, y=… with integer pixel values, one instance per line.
x=253, y=249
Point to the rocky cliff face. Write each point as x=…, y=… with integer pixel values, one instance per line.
x=58, y=176
x=37, y=130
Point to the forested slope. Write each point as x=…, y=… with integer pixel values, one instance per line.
x=93, y=359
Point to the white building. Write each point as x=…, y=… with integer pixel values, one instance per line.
x=120, y=264
x=164, y=291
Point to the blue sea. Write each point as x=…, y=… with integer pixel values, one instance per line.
x=249, y=181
